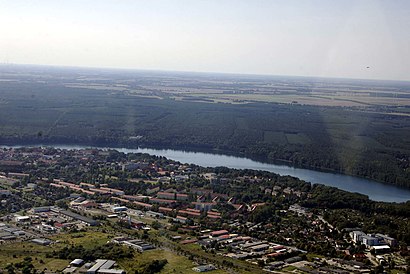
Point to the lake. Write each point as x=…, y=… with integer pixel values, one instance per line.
x=375, y=190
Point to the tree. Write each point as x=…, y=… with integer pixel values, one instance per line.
x=156, y=225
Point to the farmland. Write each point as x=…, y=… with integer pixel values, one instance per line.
x=350, y=126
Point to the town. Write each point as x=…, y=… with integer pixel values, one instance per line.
x=102, y=211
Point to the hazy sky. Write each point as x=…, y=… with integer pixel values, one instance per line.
x=289, y=37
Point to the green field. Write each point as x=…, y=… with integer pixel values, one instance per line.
x=16, y=252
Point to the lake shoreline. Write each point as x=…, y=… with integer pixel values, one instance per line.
x=199, y=148
x=376, y=191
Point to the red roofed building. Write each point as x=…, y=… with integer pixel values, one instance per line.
x=165, y=209
x=161, y=201
x=67, y=184
x=142, y=204
x=87, y=192
x=113, y=190
x=182, y=197
x=224, y=237
x=99, y=191
x=213, y=216
x=166, y=195
x=184, y=242
x=190, y=213
x=181, y=219
x=120, y=199
x=134, y=197
x=82, y=184
x=57, y=185
x=193, y=210
x=219, y=233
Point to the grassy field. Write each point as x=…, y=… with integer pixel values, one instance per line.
x=16, y=252
x=176, y=264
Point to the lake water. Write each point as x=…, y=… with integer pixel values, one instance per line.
x=375, y=190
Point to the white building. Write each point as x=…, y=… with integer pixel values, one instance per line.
x=357, y=236
x=203, y=268
x=22, y=219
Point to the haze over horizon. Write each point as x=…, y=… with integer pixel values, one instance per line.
x=346, y=39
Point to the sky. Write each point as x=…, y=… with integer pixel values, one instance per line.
x=367, y=39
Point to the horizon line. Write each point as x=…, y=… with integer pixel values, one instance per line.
x=200, y=72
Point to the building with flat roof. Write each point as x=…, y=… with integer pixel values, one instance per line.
x=260, y=247
x=41, y=209
x=111, y=271
x=116, y=209
x=370, y=241
x=77, y=262
x=79, y=217
x=219, y=233
x=96, y=266
x=40, y=241
x=21, y=219
x=388, y=240
x=380, y=249
x=357, y=236
x=104, y=266
x=204, y=268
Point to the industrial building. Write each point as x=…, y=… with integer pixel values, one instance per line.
x=104, y=266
